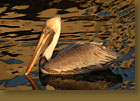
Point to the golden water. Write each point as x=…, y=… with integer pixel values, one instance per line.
x=111, y=22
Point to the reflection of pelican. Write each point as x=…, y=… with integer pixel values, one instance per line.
x=96, y=80
x=34, y=85
x=77, y=58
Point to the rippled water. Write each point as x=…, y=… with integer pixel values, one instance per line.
x=111, y=22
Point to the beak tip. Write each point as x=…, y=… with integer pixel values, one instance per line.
x=26, y=74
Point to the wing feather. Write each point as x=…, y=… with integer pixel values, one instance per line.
x=81, y=55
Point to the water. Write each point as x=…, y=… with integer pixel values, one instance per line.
x=111, y=22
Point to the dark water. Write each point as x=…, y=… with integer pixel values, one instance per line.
x=111, y=22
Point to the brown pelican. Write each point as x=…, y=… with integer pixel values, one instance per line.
x=81, y=57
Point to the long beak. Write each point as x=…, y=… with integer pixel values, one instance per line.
x=45, y=40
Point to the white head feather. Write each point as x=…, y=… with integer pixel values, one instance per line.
x=55, y=25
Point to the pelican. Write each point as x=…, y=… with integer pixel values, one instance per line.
x=77, y=58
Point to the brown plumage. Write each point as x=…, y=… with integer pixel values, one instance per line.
x=81, y=57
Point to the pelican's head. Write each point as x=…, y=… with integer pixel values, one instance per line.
x=54, y=24
x=48, y=40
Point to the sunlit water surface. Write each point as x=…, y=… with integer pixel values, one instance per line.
x=111, y=22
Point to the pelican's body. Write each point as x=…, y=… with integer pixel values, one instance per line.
x=81, y=57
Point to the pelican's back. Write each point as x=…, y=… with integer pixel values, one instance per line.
x=78, y=58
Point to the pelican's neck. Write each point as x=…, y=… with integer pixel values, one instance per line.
x=49, y=50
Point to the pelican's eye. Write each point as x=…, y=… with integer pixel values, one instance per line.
x=47, y=30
